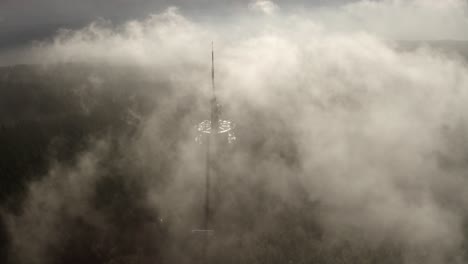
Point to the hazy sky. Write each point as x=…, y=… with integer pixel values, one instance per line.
x=22, y=21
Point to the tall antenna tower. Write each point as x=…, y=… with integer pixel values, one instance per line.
x=210, y=133
x=214, y=123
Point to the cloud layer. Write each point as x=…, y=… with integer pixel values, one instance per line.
x=335, y=116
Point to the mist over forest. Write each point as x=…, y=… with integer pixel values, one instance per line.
x=351, y=138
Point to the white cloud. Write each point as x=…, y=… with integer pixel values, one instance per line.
x=264, y=6
x=371, y=124
x=401, y=19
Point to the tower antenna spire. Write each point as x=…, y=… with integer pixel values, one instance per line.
x=214, y=130
x=213, y=71
x=211, y=131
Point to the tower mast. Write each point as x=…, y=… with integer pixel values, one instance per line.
x=214, y=130
x=214, y=101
